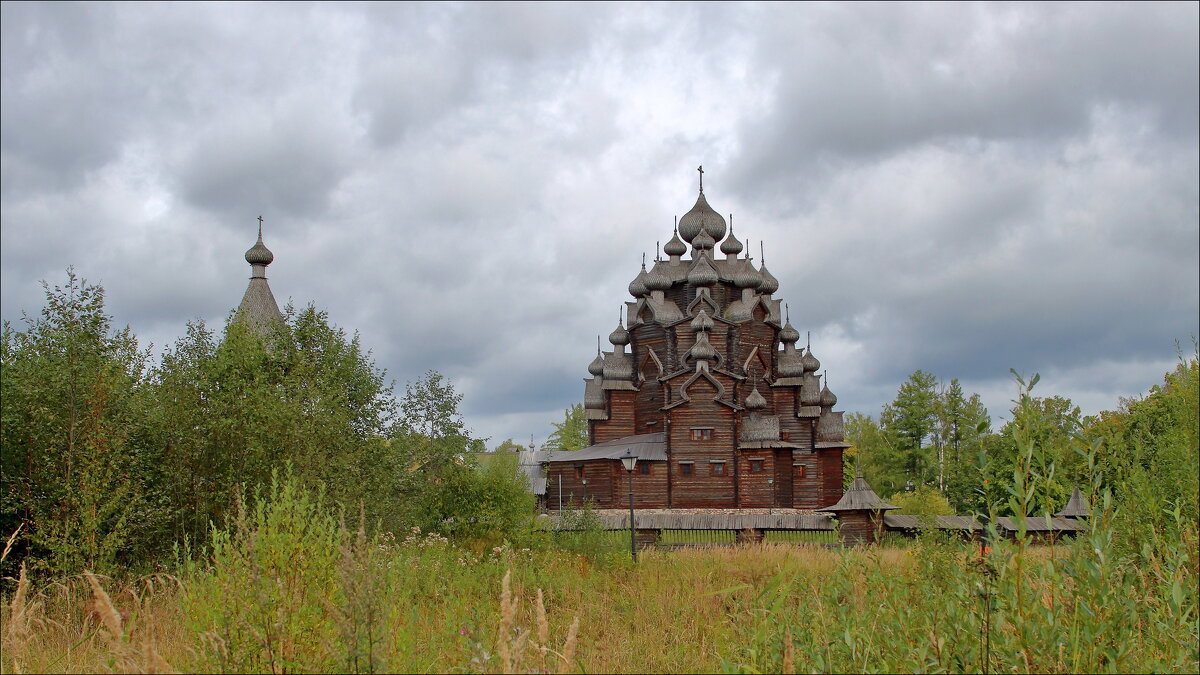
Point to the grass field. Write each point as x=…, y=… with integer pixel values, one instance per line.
x=297, y=593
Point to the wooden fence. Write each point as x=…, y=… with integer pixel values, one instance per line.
x=723, y=528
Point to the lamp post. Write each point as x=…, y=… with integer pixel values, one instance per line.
x=771, y=504
x=630, y=461
x=585, y=491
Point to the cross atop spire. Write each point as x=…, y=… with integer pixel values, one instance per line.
x=701, y=170
x=260, y=221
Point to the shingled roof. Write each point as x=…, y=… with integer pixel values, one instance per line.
x=860, y=497
x=1076, y=506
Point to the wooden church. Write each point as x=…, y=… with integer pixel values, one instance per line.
x=706, y=385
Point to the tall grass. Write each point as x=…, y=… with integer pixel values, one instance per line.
x=289, y=586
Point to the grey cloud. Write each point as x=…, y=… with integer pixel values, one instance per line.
x=959, y=188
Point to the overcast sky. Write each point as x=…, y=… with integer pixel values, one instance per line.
x=958, y=188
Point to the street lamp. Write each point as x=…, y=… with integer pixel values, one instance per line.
x=630, y=461
x=771, y=504
x=585, y=491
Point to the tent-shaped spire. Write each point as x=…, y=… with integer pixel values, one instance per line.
x=1076, y=506
x=860, y=497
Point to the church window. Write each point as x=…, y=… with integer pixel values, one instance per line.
x=717, y=468
x=685, y=468
x=702, y=434
x=756, y=465
x=579, y=471
x=644, y=468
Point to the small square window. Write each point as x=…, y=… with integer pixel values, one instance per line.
x=756, y=465
x=800, y=471
x=702, y=434
x=685, y=469
x=718, y=468
x=785, y=436
x=644, y=468
x=579, y=471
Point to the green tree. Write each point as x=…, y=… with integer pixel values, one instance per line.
x=876, y=452
x=571, y=433
x=961, y=424
x=305, y=394
x=430, y=427
x=912, y=418
x=925, y=500
x=1151, y=457
x=72, y=406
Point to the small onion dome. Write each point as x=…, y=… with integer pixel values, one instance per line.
x=755, y=400
x=702, y=349
x=702, y=322
x=619, y=336
x=811, y=364
x=657, y=281
x=703, y=273
x=769, y=283
x=259, y=254
x=702, y=218
x=789, y=335
x=596, y=367
x=703, y=241
x=828, y=400
x=731, y=245
x=675, y=246
x=747, y=277
x=637, y=287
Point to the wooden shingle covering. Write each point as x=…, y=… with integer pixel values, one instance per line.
x=860, y=497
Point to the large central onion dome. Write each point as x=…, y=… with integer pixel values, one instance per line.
x=702, y=217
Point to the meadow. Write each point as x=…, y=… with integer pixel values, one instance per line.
x=289, y=587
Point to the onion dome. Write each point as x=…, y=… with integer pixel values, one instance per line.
x=789, y=335
x=596, y=367
x=259, y=254
x=828, y=400
x=703, y=273
x=769, y=283
x=637, y=287
x=731, y=245
x=702, y=350
x=747, y=277
x=755, y=400
x=702, y=217
x=619, y=336
x=656, y=280
x=811, y=364
x=703, y=241
x=702, y=322
x=676, y=245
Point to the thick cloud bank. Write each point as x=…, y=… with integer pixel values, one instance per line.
x=958, y=188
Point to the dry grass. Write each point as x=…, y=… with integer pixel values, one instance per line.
x=707, y=601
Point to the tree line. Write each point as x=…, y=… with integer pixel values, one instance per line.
x=933, y=449
x=113, y=460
